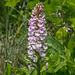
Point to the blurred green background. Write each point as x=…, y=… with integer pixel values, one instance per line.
x=60, y=25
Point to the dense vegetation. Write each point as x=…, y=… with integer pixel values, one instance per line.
x=60, y=25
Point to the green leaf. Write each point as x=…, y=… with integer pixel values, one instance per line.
x=32, y=71
x=56, y=59
x=22, y=60
x=55, y=19
x=59, y=66
x=23, y=70
x=8, y=70
x=11, y=2
x=68, y=53
x=54, y=44
x=61, y=35
x=71, y=3
x=71, y=46
x=73, y=22
x=47, y=2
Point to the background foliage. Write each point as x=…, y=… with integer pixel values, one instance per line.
x=60, y=25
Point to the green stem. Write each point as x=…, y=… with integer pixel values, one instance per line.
x=38, y=67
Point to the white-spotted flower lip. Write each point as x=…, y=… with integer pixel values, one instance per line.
x=37, y=34
x=42, y=54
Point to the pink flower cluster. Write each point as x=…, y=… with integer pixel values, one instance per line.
x=37, y=33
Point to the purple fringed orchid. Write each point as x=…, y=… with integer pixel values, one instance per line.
x=37, y=33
